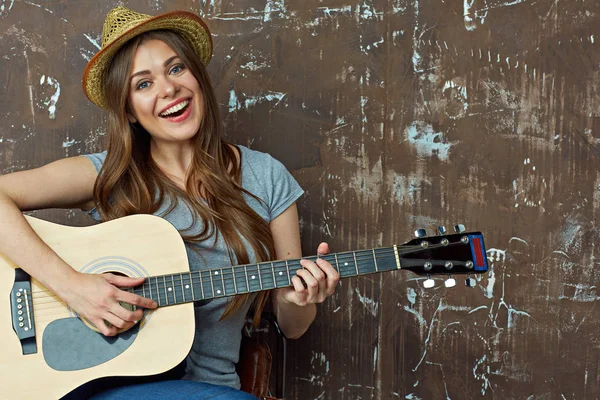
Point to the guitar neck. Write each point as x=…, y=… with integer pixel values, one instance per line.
x=186, y=287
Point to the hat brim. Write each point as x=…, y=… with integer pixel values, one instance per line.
x=187, y=24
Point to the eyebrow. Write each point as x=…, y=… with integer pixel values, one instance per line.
x=146, y=72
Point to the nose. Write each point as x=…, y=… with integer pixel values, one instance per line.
x=168, y=88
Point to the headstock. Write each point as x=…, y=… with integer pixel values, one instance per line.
x=449, y=254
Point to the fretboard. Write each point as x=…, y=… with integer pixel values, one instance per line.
x=186, y=287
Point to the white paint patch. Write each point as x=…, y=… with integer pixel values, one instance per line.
x=371, y=305
x=254, y=66
x=69, y=143
x=483, y=375
x=327, y=11
x=51, y=102
x=5, y=8
x=420, y=318
x=582, y=293
x=427, y=142
x=275, y=7
x=412, y=296
x=251, y=101
x=468, y=15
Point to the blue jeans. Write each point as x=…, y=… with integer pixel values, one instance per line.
x=173, y=390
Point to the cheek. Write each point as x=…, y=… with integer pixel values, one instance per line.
x=141, y=106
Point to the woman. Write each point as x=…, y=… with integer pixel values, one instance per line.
x=165, y=156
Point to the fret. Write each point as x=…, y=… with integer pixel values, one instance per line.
x=178, y=289
x=201, y=283
x=367, y=265
x=186, y=283
x=228, y=285
x=287, y=267
x=273, y=272
x=144, y=287
x=240, y=279
x=172, y=289
x=246, y=274
x=337, y=263
x=207, y=284
x=265, y=272
x=254, y=278
x=157, y=291
x=235, y=291
x=165, y=289
x=375, y=259
x=182, y=288
x=281, y=273
x=217, y=288
x=355, y=263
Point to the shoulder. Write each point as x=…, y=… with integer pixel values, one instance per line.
x=97, y=159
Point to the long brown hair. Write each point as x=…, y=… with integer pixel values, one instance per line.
x=130, y=182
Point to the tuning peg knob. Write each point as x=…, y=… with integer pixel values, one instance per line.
x=450, y=282
x=441, y=230
x=420, y=233
x=459, y=228
x=428, y=283
x=470, y=282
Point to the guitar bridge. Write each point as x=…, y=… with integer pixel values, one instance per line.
x=21, y=305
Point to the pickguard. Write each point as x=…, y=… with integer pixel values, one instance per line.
x=69, y=345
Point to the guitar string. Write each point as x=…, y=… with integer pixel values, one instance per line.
x=202, y=277
x=231, y=280
x=229, y=271
x=344, y=256
x=50, y=311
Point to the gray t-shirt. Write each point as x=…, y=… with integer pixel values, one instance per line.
x=217, y=343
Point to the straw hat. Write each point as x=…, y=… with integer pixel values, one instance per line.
x=122, y=24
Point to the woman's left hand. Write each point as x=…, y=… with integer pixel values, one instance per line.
x=319, y=280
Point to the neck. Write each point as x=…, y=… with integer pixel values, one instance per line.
x=186, y=287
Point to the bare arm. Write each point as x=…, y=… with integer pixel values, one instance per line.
x=65, y=183
x=295, y=307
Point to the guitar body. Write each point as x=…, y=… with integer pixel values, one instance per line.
x=67, y=353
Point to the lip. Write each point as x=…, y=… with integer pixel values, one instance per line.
x=183, y=116
x=174, y=103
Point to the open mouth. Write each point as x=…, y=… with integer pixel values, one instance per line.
x=176, y=111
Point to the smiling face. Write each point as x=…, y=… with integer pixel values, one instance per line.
x=164, y=96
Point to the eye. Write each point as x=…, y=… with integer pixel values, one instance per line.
x=177, y=69
x=143, y=85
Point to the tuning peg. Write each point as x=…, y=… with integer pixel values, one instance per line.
x=450, y=282
x=470, y=282
x=428, y=283
x=420, y=233
x=441, y=230
x=459, y=228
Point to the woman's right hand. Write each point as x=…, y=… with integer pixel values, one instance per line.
x=96, y=297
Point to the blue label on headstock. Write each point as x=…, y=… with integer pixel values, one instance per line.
x=478, y=252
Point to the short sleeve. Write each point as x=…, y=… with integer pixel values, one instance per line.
x=98, y=160
x=268, y=179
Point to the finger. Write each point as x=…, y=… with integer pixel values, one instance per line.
x=331, y=274
x=312, y=284
x=135, y=299
x=314, y=269
x=105, y=329
x=123, y=281
x=299, y=287
x=323, y=249
x=126, y=315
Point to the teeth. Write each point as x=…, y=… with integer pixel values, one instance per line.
x=175, y=108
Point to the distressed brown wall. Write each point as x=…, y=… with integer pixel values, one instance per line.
x=393, y=115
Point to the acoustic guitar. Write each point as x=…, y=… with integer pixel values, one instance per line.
x=47, y=350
